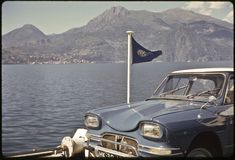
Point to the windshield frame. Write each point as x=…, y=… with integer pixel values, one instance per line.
x=220, y=93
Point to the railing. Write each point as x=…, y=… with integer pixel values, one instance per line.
x=53, y=152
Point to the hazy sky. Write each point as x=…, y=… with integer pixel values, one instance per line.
x=57, y=17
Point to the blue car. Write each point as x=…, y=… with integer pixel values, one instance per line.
x=190, y=114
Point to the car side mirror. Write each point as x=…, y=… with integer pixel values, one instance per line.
x=212, y=99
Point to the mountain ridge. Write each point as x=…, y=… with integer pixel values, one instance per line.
x=103, y=39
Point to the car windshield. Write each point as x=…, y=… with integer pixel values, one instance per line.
x=190, y=86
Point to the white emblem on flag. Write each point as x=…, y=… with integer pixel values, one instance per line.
x=142, y=53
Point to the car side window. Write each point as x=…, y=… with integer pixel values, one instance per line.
x=229, y=97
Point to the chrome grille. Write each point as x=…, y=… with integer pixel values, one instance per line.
x=124, y=144
x=109, y=145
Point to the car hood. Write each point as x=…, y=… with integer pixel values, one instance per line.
x=127, y=117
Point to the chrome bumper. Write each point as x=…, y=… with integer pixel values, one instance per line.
x=157, y=151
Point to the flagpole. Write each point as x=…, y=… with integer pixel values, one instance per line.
x=129, y=59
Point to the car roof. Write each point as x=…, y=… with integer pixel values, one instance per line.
x=201, y=70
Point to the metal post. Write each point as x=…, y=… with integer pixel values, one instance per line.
x=129, y=59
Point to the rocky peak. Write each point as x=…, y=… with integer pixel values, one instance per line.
x=116, y=11
x=27, y=29
x=107, y=17
x=20, y=36
x=29, y=26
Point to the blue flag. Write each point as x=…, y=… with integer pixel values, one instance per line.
x=141, y=54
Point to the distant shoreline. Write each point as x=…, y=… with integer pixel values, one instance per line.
x=227, y=62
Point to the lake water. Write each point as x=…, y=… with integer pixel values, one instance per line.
x=43, y=103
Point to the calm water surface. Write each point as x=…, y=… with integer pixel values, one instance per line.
x=43, y=103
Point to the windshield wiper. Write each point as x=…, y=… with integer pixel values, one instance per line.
x=211, y=92
x=173, y=90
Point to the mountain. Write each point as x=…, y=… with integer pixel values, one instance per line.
x=26, y=35
x=185, y=16
x=182, y=36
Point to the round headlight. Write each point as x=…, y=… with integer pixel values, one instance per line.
x=151, y=130
x=92, y=121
